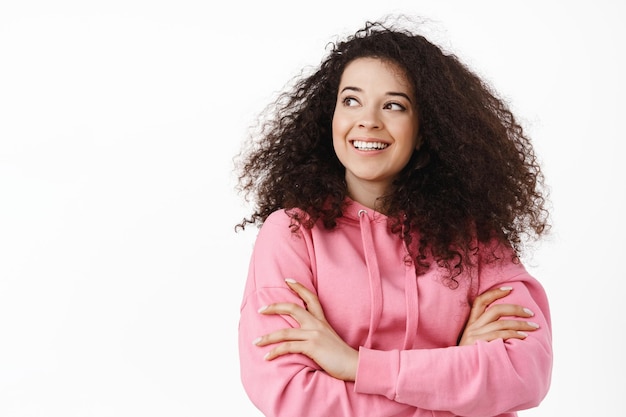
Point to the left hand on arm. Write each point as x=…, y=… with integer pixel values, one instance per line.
x=488, y=321
x=314, y=338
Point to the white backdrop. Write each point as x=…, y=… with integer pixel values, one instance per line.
x=120, y=272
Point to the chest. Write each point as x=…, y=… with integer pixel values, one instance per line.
x=363, y=288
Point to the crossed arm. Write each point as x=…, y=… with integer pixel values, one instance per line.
x=316, y=339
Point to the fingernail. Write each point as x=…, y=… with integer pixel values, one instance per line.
x=266, y=356
x=290, y=280
x=262, y=309
x=532, y=324
x=524, y=334
x=529, y=311
x=256, y=341
x=506, y=288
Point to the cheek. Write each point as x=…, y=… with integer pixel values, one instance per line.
x=339, y=133
x=342, y=122
x=337, y=125
x=413, y=136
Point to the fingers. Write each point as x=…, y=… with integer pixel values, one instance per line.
x=495, y=312
x=501, y=334
x=483, y=301
x=310, y=317
x=292, y=339
x=501, y=329
x=287, y=340
x=311, y=301
x=506, y=325
x=282, y=335
x=298, y=313
x=283, y=349
x=513, y=329
x=491, y=324
x=488, y=321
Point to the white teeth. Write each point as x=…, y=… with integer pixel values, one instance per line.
x=366, y=146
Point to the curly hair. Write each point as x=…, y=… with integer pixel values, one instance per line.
x=475, y=178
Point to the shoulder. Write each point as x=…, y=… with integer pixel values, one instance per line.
x=284, y=222
x=286, y=217
x=278, y=217
x=497, y=259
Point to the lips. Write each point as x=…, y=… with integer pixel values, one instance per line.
x=369, y=145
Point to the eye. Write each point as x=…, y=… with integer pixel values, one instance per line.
x=394, y=106
x=350, y=101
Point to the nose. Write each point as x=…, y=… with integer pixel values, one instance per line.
x=369, y=119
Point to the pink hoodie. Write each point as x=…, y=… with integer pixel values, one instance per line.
x=405, y=327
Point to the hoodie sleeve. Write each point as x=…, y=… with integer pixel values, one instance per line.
x=293, y=385
x=485, y=379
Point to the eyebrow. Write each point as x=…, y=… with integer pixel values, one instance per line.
x=388, y=93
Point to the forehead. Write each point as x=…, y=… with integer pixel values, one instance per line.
x=370, y=73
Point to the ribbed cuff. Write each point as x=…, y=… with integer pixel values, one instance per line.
x=377, y=372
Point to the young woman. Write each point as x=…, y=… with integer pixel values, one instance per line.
x=394, y=192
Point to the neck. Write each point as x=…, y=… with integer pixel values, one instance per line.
x=367, y=197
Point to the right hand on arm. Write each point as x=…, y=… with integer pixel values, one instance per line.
x=314, y=338
x=498, y=321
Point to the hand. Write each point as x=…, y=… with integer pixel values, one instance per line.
x=314, y=338
x=485, y=320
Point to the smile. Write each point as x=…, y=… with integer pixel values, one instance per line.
x=369, y=146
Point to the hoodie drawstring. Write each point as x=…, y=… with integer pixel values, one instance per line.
x=410, y=294
x=376, y=291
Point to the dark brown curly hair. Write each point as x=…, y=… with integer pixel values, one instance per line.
x=475, y=178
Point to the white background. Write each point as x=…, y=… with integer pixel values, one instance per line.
x=120, y=272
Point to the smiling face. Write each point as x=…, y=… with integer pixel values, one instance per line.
x=375, y=126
